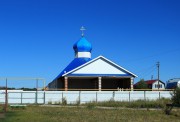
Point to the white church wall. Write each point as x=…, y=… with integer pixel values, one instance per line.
x=54, y=97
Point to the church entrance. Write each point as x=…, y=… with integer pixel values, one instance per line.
x=93, y=83
x=82, y=83
x=116, y=83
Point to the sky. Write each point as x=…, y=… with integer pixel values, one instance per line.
x=37, y=36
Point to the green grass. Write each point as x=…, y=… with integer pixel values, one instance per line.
x=161, y=103
x=1, y=108
x=77, y=114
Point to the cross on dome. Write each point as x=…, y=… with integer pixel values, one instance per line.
x=82, y=30
x=82, y=47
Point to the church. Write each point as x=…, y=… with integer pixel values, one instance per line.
x=85, y=73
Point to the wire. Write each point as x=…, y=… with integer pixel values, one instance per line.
x=155, y=55
x=146, y=69
x=147, y=72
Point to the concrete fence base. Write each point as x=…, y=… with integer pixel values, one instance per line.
x=73, y=97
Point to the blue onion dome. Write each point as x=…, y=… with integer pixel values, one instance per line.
x=82, y=46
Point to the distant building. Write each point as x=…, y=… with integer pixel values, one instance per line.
x=153, y=84
x=92, y=74
x=173, y=83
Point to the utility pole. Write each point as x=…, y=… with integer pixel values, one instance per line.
x=158, y=64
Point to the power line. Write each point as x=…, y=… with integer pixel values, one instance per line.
x=149, y=72
x=155, y=55
x=146, y=69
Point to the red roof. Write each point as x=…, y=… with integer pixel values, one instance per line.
x=150, y=81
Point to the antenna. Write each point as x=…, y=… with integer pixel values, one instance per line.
x=151, y=77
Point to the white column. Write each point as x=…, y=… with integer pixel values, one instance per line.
x=65, y=83
x=99, y=83
x=132, y=82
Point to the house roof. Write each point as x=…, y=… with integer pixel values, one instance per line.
x=149, y=82
x=74, y=64
x=91, y=61
x=79, y=63
x=174, y=80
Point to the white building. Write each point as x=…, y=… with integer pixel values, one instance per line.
x=173, y=83
x=153, y=84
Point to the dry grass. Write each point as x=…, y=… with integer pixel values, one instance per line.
x=77, y=114
x=161, y=103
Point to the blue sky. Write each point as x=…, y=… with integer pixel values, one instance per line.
x=37, y=36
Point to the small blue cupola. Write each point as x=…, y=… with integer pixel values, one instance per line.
x=82, y=48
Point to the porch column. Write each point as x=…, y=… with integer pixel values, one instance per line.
x=65, y=83
x=132, y=81
x=99, y=83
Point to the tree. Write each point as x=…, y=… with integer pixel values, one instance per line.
x=141, y=85
x=176, y=96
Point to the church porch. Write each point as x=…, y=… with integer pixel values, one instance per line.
x=98, y=83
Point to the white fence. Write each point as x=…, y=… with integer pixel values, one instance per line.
x=44, y=97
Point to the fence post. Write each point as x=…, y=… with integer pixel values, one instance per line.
x=79, y=97
x=96, y=97
x=21, y=97
x=44, y=97
x=7, y=98
x=145, y=95
x=62, y=97
x=36, y=91
x=159, y=95
x=129, y=97
x=113, y=95
x=36, y=97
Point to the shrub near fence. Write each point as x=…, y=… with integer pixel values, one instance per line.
x=72, y=97
x=160, y=103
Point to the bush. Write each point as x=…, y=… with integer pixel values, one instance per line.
x=57, y=102
x=49, y=102
x=78, y=102
x=64, y=101
x=161, y=103
x=141, y=85
x=91, y=105
x=176, y=96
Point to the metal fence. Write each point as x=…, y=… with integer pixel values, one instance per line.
x=72, y=97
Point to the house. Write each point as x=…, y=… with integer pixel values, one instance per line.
x=85, y=73
x=173, y=83
x=153, y=84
